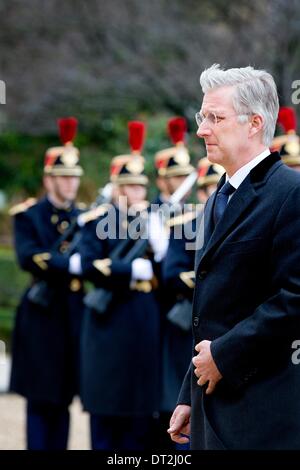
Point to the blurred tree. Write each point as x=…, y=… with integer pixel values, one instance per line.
x=99, y=59
x=283, y=28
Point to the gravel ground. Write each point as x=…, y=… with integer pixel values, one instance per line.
x=12, y=424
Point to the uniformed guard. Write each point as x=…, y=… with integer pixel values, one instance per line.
x=45, y=352
x=163, y=195
x=178, y=284
x=174, y=163
x=288, y=144
x=120, y=337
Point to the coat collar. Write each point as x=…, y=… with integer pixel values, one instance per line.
x=243, y=197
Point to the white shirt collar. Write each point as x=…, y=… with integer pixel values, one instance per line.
x=241, y=174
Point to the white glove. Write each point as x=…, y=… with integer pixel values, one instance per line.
x=158, y=236
x=75, y=264
x=141, y=270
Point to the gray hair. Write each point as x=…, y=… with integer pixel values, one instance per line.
x=255, y=93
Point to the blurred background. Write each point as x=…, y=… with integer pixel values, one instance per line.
x=107, y=62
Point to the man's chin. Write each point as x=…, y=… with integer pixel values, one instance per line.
x=212, y=156
x=69, y=198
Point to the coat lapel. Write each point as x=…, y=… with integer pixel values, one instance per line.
x=243, y=197
x=207, y=224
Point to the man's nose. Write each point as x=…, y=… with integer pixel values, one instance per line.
x=203, y=130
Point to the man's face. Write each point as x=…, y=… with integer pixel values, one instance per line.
x=63, y=188
x=227, y=138
x=162, y=185
x=135, y=193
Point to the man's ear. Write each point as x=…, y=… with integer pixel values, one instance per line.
x=256, y=124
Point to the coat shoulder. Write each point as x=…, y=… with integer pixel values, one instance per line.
x=94, y=214
x=282, y=182
x=182, y=219
x=289, y=176
x=81, y=206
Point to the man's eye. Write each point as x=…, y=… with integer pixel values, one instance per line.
x=210, y=117
x=219, y=118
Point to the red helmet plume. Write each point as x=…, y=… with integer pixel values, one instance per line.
x=136, y=135
x=67, y=129
x=287, y=119
x=177, y=128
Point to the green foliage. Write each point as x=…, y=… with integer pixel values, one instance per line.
x=12, y=284
x=6, y=326
x=21, y=162
x=5, y=228
x=12, y=279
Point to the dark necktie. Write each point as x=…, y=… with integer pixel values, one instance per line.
x=222, y=200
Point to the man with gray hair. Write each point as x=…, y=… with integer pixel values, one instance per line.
x=242, y=388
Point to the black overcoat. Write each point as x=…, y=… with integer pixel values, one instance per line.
x=178, y=285
x=247, y=302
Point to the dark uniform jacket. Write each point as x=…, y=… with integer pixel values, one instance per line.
x=45, y=351
x=247, y=302
x=120, y=348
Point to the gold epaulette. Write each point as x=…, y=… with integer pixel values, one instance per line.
x=22, y=206
x=81, y=206
x=182, y=218
x=93, y=214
